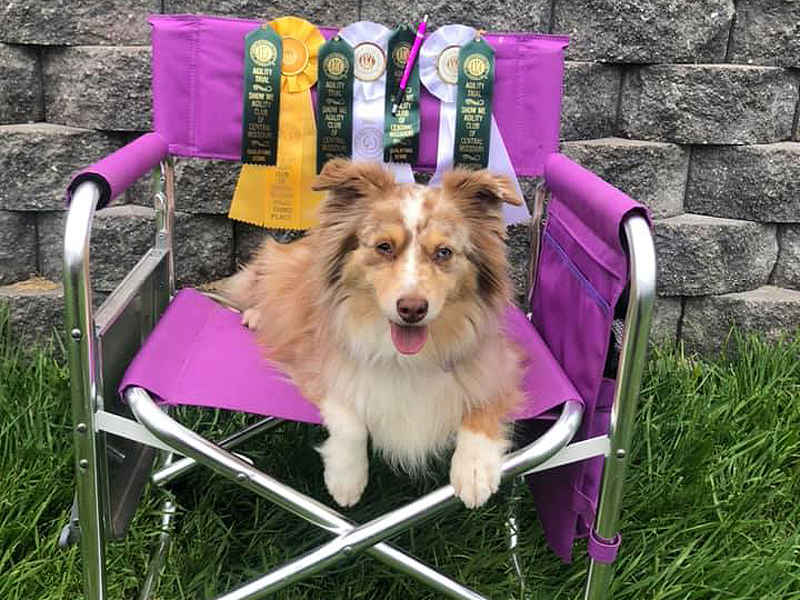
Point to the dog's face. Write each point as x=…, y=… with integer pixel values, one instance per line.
x=409, y=257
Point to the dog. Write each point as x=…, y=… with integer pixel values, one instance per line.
x=388, y=316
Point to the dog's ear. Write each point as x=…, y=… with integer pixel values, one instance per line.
x=482, y=187
x=346, y=182
x=349, y=186
x=479, y=195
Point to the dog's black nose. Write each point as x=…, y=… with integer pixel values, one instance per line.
x=412, y=309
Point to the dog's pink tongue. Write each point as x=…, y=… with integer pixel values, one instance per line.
x=409, y=339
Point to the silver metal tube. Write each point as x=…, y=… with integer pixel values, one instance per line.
x=179, y=467
x=191, y=444
x=82, y=351
x=164, y=204
x=159, y=556
x=359, y=538
x=363, y=536
x=512, y=529
x=642, y=261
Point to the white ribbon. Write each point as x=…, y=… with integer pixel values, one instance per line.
x=368, y=101
x=499, y=162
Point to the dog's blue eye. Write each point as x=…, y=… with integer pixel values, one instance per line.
x=443, y=253
x=384, y=248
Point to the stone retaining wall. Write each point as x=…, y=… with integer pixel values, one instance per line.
x=690, y=107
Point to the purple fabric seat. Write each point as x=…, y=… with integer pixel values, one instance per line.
x=201, y=355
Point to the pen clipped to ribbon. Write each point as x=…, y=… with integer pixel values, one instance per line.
x=410, y=63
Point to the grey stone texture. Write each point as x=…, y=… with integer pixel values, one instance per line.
x=76, y=87
x=708, y=104
x=645, y=31
x=666, y=316
x=770, y=311
x=519, y=247
x=323, y=12
x=203, y=248
x=766, y=32
x=654, y=173
x=71, y=22
x=201, y=186
x=122, y=234
x=787, y=269
x=98, y=87
x=20, y=86
x=699, y=255
x=38, y=159
x=589, y=105
x=17, y=246
x=492, y=15
x=248, y=238
x=759, y=182
x=36, y=310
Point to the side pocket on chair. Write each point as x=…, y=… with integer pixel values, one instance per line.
x=572, y=317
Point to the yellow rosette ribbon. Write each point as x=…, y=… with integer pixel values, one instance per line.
x=280, y=196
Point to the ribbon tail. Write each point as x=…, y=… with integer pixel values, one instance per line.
x=367, y=129
x=402, y=172
x=444, y=150
x=247, y=205
x=500, y=164
x=368, y=117
x=309, y=199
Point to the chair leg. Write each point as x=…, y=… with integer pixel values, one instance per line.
x=512, y=529
x=159, y=556
x=92, y=530
x=629, y=376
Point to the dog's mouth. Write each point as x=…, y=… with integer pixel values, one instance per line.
x=409, y=339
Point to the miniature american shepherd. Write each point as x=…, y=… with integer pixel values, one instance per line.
x=388, y=316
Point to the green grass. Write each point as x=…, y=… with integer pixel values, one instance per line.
x=712, y=508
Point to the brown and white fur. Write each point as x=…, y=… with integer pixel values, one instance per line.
x=342, y=311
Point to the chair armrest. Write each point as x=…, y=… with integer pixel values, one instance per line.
x=117, y=171
x=596, y=203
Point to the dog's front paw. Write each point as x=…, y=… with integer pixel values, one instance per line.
x=346, y=471
x=475, y=467
x=250, y=318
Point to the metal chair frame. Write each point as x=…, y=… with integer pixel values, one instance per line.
x=132, y=310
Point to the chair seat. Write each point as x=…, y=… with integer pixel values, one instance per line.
x=199, y=354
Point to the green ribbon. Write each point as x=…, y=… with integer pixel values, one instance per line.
x=262, y=94
x=334, y=101
x=474, y=105
x=401, y=130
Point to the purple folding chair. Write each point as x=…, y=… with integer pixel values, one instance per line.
x=147, y=347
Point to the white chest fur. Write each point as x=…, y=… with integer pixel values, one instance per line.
x=410, y=411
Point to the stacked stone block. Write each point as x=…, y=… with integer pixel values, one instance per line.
x=691, y=108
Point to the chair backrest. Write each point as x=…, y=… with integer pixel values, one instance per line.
x=198, y=63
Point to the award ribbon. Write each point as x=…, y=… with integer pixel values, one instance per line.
x=439, y=67
x=369, y=42
x=262, y=84
x=280, y=196
x=401, y=130
x=474, y=105
x=334, y=101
